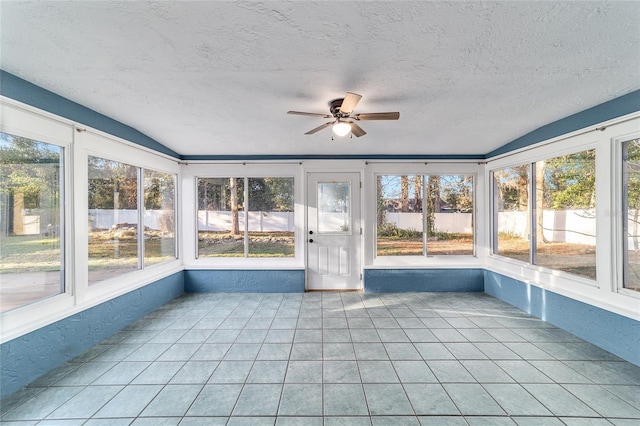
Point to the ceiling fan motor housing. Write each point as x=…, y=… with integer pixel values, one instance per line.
x=334, y=107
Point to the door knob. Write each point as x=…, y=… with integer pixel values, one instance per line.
x=310, y=240
x=310, y=232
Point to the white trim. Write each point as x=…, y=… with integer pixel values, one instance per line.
x=51, y=310
x=557, y=283
x=189, y=175
x=471, y=168
x=78, y=142
x=605, y=291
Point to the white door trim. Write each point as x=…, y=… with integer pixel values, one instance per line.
x=334, y=258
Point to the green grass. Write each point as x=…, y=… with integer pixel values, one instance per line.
x=261, y=244
x=29, y=254
x=23, y=254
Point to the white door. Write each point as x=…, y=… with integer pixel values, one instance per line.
x=333, y=231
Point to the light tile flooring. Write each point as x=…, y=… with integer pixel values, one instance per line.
x=335, y=359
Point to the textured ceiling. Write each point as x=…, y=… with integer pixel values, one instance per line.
x=217, y=78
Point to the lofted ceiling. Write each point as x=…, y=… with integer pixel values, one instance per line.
x=217, y=78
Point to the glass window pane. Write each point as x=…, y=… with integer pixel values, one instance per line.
x=511, y=206
x=399, y=215
x=631, y=213
x=31, y=254
x=271, y=225
x=449, y=215
x=221, y=217
x=113, y=219
x=334, y=208
x=566, y=216
x=159, y=217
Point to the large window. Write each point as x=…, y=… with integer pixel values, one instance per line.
x=565, y=213
x=115, y=236
x=511, y=212
x=113, y=219
x=159, y=217
x=421, y=215
x=31, y=237
x=631, y=213
x=561, y=235
x=263, y=226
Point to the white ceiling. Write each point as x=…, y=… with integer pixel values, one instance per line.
x=217, y=78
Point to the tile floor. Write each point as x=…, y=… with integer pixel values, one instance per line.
x=335, y=359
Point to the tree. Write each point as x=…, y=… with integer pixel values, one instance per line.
x=404, y=194
x=235, y=225
x=29, y=179
x=433, y=203
x=380, y=207
x=112, y=185
x=417, y=193
x=569, y=181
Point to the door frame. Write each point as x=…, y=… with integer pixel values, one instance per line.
x=359, y=258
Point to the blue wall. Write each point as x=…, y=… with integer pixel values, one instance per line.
x=617, y=107
x=16, y=88
x=402, y=280
x=26, y=358
x=32, y=355
x=614, y=333
x=250, y=281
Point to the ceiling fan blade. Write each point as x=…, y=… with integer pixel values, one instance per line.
x=317, y=129
x=311, y=114
x=377, y=116
x=349, y=102
x=356, y=130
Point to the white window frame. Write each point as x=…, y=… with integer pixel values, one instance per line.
x=192, y=171
x=99, y=144
x=22, y=121
x=374, y=169
x=176, y=228
x=79, y=141
x=618, y=219
x=605, y=291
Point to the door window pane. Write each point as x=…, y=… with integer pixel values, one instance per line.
x=113, y=219
x=221, y=222
x=399, y=215
x=511, y=209
x=31, y=237
x=271, y=219
x=334, y=209
x=159, y=217
x=566, y=215
x=449, y=215
x=631, y=213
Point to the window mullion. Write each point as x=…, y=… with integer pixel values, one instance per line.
x=493, y=189
x=425, y=216
x=245, y=206
x=140, y=175
x=533, y=220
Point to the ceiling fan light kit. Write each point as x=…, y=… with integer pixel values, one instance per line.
x=341, y=128
x=343, y=122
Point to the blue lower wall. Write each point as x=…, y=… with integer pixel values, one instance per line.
x=612, y=332
x=248, y=281
x=28, y=357
x=403, y=280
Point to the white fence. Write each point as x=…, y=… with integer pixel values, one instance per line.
x=571, y=226
x=207, y=220
x=559, y=226
x=453, y=223
x=258, y=221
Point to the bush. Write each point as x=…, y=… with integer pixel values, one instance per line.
x=390, y=230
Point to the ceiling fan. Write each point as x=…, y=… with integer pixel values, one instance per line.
x=343, y=121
